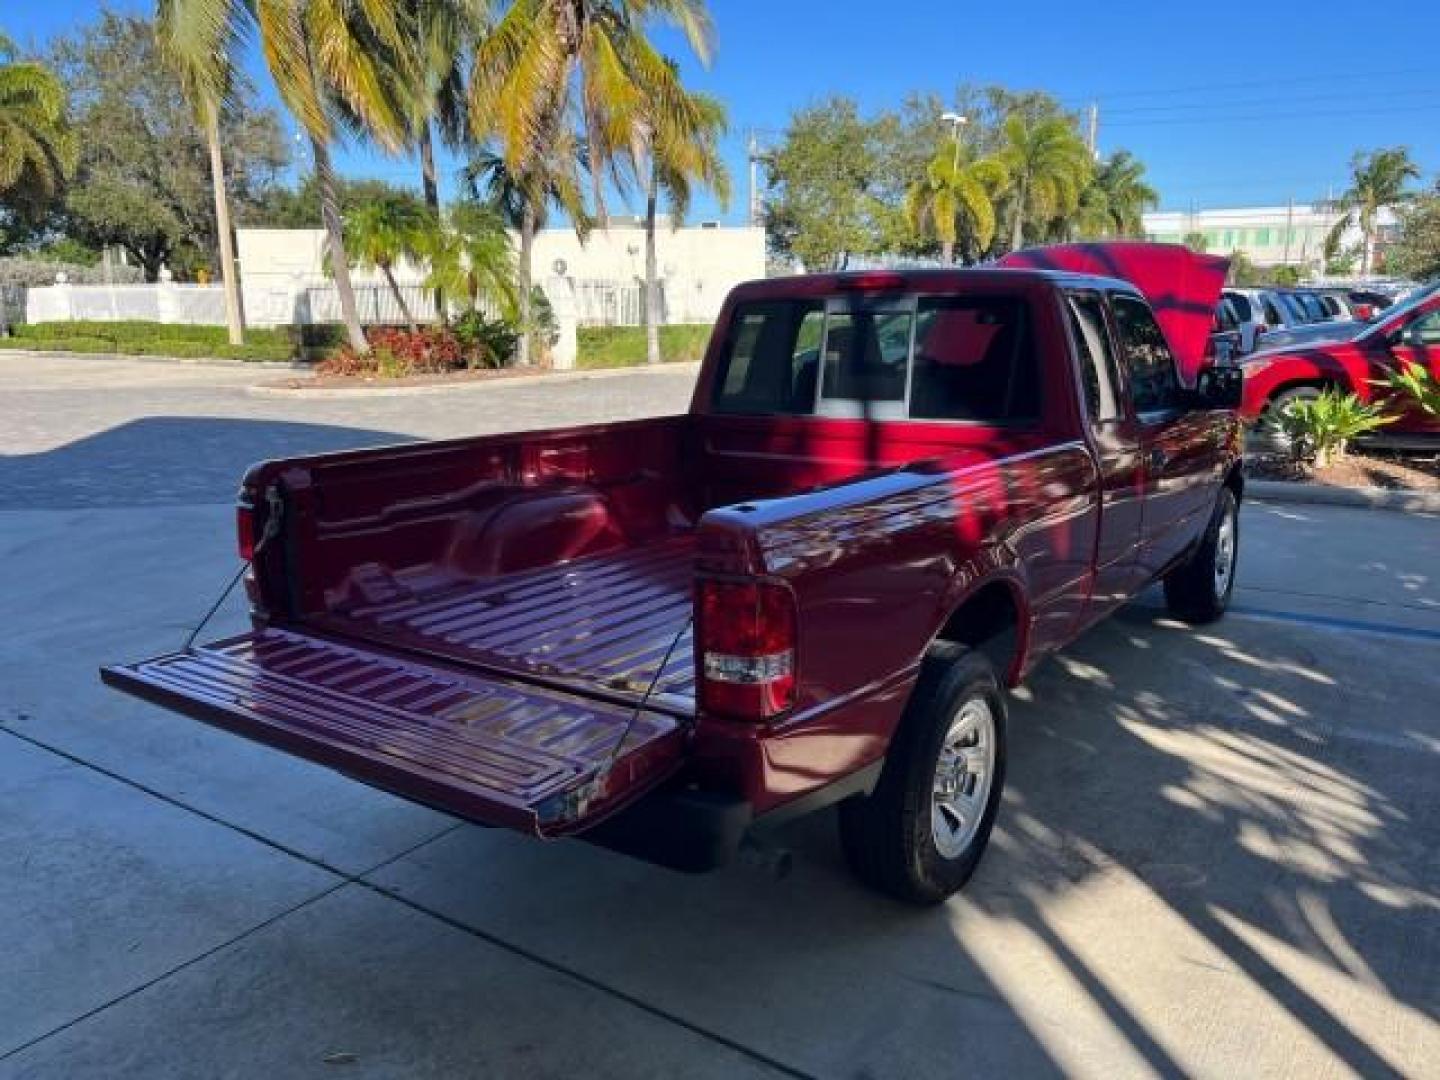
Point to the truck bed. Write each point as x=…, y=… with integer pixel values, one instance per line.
x=601, y=624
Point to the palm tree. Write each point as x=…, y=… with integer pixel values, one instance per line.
x=200, y=41
x=1377, y=180
x=678, y=148
x=382, y=232
x=957, y=191
x=1047, y=165
x=1114, y=202
x=471, y=257
x=524, y=198
x=37, y=151
x=340, y=65
x=546, y=56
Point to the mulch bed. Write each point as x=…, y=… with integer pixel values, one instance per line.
x=1392, y=471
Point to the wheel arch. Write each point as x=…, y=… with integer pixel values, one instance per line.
x=992, y=616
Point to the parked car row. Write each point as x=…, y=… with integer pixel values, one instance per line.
x=1260, y=317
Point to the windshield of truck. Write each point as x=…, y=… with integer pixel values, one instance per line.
x=961, y=358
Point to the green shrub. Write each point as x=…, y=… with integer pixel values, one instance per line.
x=623, y=346
x=125, y=332
x=75, y=344
x=1320, y=429
x=1414, y=384
x=488, y=343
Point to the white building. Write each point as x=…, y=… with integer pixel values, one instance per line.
x=1268, y=235
x=600, y=281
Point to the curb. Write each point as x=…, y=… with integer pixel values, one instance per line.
x=1411, y=502
x=545, y=378
x=192, y=361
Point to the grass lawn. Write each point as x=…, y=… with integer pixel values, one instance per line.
x=623, y=346
x=138, y=338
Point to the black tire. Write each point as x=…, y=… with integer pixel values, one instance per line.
x=888, y=837
x=1268, y=426
x=1199, y=589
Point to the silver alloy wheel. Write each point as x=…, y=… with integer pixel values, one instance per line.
x=963, y=775
x=1224, y=553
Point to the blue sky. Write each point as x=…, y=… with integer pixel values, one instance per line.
x=1239, y=106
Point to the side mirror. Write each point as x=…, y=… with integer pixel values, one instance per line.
x=1218, y=386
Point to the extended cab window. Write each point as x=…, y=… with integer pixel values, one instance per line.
x=1149, y=366
x=771, y=356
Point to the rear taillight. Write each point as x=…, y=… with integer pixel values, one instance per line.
x=745, y=636
x=245, y=530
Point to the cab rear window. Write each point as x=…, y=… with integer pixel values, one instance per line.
x=962, y=358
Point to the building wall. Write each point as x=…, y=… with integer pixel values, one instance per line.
x=1269, y=235
x=697, y=266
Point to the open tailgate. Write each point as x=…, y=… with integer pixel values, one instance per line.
x=489, y=750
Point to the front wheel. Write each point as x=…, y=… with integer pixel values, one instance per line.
x=1199, y=589
x=1269, y=428
x=921, y=834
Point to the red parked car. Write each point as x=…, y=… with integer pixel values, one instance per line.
x=892, y=495
x=1354, y=358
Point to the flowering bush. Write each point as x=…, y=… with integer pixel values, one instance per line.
x=395, y=353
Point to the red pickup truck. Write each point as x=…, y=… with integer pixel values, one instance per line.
x=1353, y=357
x=892, y=495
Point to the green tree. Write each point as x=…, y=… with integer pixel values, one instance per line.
x=202, y=53
x=1195, y=241
x=544, y=57
x=524, y=198
x=1114, y=201
x=341, y=66
x=681, y=150
x=826, y=186
x=471, y=258
x=37, y=148
x=143, y=181
x=955, y=196
x=1416, y=250
x=381, y=233
x=1377, y=179
x=1047, y=167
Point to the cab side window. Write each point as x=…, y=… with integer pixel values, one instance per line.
x=1149, y=365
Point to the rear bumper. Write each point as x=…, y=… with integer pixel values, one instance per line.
x=677, y=828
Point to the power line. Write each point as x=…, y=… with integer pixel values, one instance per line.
x=1366, y=76
x=1380, y=98
x=1177, y=121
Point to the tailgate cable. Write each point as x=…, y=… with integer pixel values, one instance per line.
x=275, y=507
x=603, y=773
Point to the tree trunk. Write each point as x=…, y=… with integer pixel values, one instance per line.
x=652, y=282
x=947, y=251
x=400, y=299
x=229, y=271
x=1365, y=254
x=527, y=244
x=335, y=239
x=432, y=199
x=1017, y=227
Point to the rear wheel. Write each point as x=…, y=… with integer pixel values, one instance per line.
x=921, y=834
x=1199, y=589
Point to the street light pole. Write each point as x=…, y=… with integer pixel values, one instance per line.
x=956, y=122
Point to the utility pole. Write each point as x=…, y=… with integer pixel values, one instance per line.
x=1092, y=140
x=756, y=210
x=1289, y=228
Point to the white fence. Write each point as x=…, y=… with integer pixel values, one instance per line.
x=302, y=303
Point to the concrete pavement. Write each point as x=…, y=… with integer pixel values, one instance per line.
x=1217, y=854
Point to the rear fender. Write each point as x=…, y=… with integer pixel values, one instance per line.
x=981, y=573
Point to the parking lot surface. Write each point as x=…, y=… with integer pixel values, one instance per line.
x=1217, y=854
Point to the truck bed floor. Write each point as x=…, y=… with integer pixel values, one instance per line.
x=601, y=622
